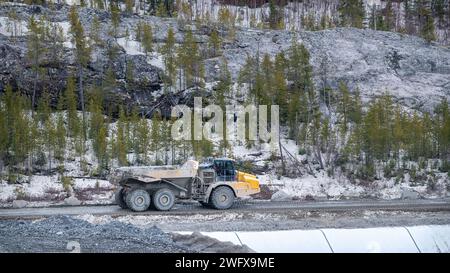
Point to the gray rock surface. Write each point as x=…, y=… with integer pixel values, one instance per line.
x=69, y=234
x=17, y=204
x=63, y=233
x=281, y=195
x=415, y=72
x=72, y=201
x=408, y=193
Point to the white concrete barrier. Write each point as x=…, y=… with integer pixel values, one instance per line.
x=375, y=240
x=386, y=239
x=289, y=241
x=431, y=239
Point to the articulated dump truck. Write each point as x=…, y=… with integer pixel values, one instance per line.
x=214, y=184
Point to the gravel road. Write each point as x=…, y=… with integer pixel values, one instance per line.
x=190, y=208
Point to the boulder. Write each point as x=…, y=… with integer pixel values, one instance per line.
x=17, y=204
x=281, y=195
x=408, y=193
x=72, y=201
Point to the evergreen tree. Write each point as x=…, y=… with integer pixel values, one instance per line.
x=55, y=43
x=427, y=30
x=95, y=31
x=214, y=43
x=147, y=39
x=73, y=123
x=168, y=51
x=155, y=136
x=82, y=55
x=121, y=142
x=60, y=138
x=190, y=60
x=129, y=77
x=344, y=106
x=36, y=50
x=115, y=18
x=129, y=6
x=279, y=94
x=442, y=129
x=275, y=16
x=351, y=13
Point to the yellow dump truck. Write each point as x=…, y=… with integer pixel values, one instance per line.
x=215, y=184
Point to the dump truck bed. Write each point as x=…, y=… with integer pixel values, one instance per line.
x=150, y=174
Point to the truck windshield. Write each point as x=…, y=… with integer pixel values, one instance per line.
x=225, y=170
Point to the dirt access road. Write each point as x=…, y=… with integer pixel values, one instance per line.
x=259, y=215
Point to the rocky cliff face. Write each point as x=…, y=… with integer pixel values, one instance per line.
x=416, y=73
x=413, y=71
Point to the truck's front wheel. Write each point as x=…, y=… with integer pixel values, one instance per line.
x=138, y=200
x=222, y=198
x=163, y=199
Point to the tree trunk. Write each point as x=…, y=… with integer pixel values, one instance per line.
x=82, y=101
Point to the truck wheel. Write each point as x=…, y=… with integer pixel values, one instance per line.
x=120, y=200
x=163, y=199
x=222, y=198
x=137, y=200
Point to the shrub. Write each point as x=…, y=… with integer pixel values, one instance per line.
x=67, y=182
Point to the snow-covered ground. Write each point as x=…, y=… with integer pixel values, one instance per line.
x=42, y=191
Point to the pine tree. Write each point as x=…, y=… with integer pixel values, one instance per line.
x=190, y=60
x=17, y=127
x=73, y=123
x=351, y=13
x=427, y=30
x=82, y=56
x=442, y=129
x=36, y=51
x=142, y=134
x=55, y=43
x=60, y=136
x=345, y=103
x=99, y=4
x=267, y=73
x=225, y=17
x=168, y=51
x=115, y=18
x=223, y=89
x=147, y=39
x=96, y=114
x=43, y=109
x=155, y=136
x=280, y=92
x=129, y=76
x=275, y=16
x=95, y=31
x=214, y=43
x=129, y=6
x=121, y=142
x=161, y=10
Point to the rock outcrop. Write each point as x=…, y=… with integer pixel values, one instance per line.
x=414, y=72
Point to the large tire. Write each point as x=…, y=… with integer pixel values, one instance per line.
x=120, y=198
x=163, y=199
x=222, y=197
x=137, y=200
